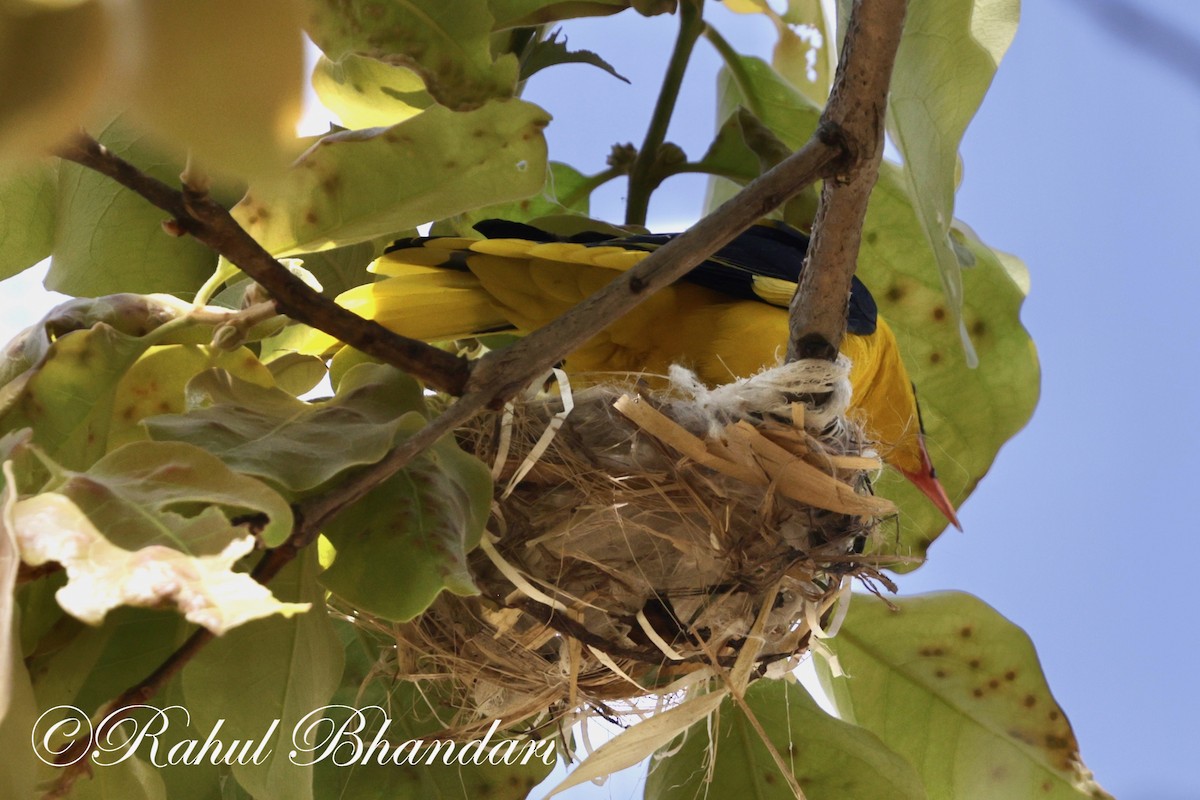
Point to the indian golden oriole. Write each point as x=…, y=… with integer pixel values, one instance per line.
x=725, y=319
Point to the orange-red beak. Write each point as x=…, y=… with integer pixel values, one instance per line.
x=926, y=480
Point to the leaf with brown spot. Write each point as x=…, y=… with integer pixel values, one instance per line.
x=928, y=114
x=68, y=397
x=155, y=383
x=359, y=185
x=968, y=733
x=447, y=44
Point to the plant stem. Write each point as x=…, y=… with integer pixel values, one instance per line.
x=590, y=185
x=733, y=62
x=642, y=178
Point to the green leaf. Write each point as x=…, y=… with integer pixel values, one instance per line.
x=447, y=44
x=18, y=708
x=82, y=376
x=155, y=384
x=295, y=666
x=186, y=781
x=751, y=83
x=296, y=445
x=68, y=397
x=830, y=759
x=804, y=64
x=968, y=413
x=368, y=93
x=87, y=666
x=20, y=773
x=407, y=540
x=927, y=114
x=53, y=60
x=131, y=779
x=358, y=185
x=223, y=78
x=297, y=374
x=552, y=50
x=521, y=13
x=27, y=200
x=110, y=240
x=146, y=493
x=957, y=689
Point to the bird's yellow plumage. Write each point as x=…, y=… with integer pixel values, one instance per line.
x=444, y=288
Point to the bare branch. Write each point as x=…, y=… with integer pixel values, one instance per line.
x=195, y=213
x=853, y=120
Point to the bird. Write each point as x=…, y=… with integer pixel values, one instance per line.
x=725, y=319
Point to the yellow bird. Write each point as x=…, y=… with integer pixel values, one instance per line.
x=725, y=319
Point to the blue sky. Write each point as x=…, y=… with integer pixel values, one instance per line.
x=1084, y=162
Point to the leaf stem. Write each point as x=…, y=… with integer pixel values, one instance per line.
x=593, y=183
x=733, y=61
x=644, y=178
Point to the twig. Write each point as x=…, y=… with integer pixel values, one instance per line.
x=853, y=121
x=195, y=213
x=645, y=177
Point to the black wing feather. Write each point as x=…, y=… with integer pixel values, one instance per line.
x=771, y=249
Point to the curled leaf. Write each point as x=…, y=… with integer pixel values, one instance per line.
x=101, y=576
x=297, y=445
x=552, y=50
x=147, y=493
x=368, y=93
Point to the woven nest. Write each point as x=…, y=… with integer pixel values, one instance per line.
x=640, y=539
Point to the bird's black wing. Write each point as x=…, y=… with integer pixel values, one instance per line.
x=766, y=250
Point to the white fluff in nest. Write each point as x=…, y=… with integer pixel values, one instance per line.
x=771, y=391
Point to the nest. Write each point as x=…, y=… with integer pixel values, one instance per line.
x=640, y=540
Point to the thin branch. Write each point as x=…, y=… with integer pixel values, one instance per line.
x=645, y=177
x=195, y=213
x=854, y=120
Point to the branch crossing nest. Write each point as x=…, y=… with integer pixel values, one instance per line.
x=639, y=538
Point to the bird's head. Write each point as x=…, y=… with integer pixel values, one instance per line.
x=885, y=394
